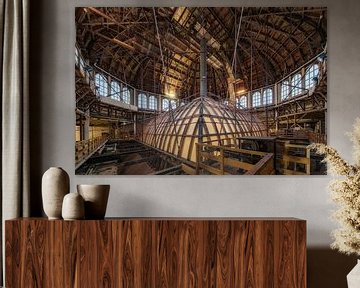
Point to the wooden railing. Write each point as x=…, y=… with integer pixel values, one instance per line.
x=301, y=160
x=313, y=137
x=221, y=160
x=85, y=148
x=264, y=167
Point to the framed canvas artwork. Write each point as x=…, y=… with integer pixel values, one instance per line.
x=200, y=90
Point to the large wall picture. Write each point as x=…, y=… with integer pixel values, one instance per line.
x=200, y=90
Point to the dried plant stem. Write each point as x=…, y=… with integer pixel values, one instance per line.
x=345, y=192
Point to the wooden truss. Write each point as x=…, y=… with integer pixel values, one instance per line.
x=268, y=42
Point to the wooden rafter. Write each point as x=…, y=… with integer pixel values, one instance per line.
x=123, y=39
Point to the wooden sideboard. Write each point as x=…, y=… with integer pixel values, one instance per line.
x=156, y=252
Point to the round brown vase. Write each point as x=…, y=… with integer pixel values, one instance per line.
x=73, y=207
x=96, y=198
x=55, y=185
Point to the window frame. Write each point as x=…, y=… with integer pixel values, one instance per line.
x=115, y=94
x=245, y=101
x=173, y=104
x=296, y=89
x=142, y=100
x=126, y=95
x=310, y=75
x=268, y=94
x=101, y=85
x=152, y=102
x=241, y=102
x=285, y=90
x=256, y=103
x=163, y=106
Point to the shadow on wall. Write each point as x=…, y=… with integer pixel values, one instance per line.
x=37, y=12
x=328, y=268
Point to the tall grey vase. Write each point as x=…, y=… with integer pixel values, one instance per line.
x=55, y=185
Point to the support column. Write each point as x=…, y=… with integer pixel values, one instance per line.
x=81, y=128
x=303, y=71
x=134, y=98
x=231, y=89
x=203, y=69
x=203, y=87
x=112, y=130
x=135, y=124
x=86, y=126
x=230, y=82
x=159, y=103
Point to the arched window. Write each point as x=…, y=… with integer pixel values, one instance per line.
x=101, y=85
x=126, y=95
x=173, y=104
x=256, y=99
x=311, y=76
x=268, y=96
x=142, y=100
x=241, y=102
x=152, y=102
x=285, y=90
x=165, y=104
x=296, y=85
x=115, y=90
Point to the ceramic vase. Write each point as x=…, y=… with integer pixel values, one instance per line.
x=353, y=278
x=96, y=198
x=73, y=207
x=55, y=185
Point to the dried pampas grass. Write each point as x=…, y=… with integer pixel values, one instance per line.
x=345, y=191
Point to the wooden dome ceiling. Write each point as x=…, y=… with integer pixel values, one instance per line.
x=271, y=42
x=177, y=131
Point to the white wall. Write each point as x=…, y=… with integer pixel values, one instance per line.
x=303, y=197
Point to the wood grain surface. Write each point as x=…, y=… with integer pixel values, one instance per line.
x=156, y=253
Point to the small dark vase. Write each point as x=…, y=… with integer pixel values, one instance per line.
x=96, y=198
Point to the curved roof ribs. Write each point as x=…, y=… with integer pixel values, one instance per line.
x=123, y=40
x=177, y=132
